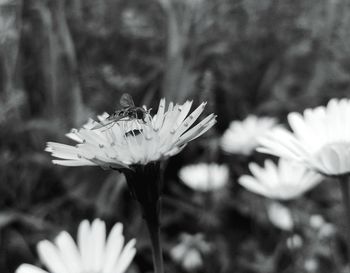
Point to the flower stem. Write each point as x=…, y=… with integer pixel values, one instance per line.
x=154, y=232
x=344, y=185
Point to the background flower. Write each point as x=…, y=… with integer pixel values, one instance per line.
x=93, y=253
x=287, y=180
x=190, y=250
x=320, y=138
x=205, y=177
x=241, y=136
x=280, y=216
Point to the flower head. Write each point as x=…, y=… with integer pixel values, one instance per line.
x=317, y=221
x=241, y=136
x=189, y=252
x=295, y=241
x=280, y=216
x=93, y=254
x=285, y=181
x=205, y=177
x=133, y=141
x=320, y=138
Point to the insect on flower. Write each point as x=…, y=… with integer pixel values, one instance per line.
x=128, y=112
x=133, y=141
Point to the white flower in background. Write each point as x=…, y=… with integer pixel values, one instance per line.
x=205, y=177
x=280, y=216
x=287, y=180
x=317, y=221
x=311, y=265
x=189, y=252
x=135, y=23
x=92, y=254
x=294, y=241
x=320, y=138
x=127, y=142
x=241, y=136
x=327, y=230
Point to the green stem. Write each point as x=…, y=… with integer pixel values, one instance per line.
x=154, y=232
x=344, y=186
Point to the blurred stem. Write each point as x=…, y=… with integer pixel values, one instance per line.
x=344, y=186
x=145, y=183
x=152, y=220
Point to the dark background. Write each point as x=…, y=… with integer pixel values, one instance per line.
x=62, y=62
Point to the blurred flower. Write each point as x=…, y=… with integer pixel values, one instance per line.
x=127, y=142
x=320, y=138
x=280, y=216
x=136, y=24
x=93, y=254
x=241, y=136
x=287, y=180
x=294, y=242
x=204, y=177
x=189, y=251
x=324, y=229
x=311, y=265
x=327, y=230
x=317, y=221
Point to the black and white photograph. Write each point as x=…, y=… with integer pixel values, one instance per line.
x=174, y=136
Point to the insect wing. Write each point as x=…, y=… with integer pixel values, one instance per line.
x=126, y=101
x=100, y=125
x=107, y=122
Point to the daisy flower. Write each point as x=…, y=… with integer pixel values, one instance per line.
x=285, y=181
x=189, y=251
x=241, y=136
x=320, y=138
x=93, y=253
x=135, y=143
x=131, y=142
x=204, y=177
x=294, y=242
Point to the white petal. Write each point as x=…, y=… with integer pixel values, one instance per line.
x=253, y=185
x=69, y=252
x=98, y=231
x=114, y=247
x=197, y=130
x=74, y=163
x=58, y=148
x=185, y=108
x=126, y=257
x=72, y=135
x=186, y=124
x=27, y=268
x=160, y=115
x=85, y=244
x=51, y=257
